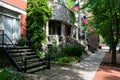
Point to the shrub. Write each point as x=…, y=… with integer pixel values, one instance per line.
x=22, y=41
x=75, y=58
x=73, y=50
x=62, y=59
x=66, y=53
x=56, y=52
x=6, y=74
x=66, y=59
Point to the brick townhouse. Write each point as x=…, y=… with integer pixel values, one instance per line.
x=13, y=18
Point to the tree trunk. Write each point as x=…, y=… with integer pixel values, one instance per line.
x=113, y=54
x=110, y=49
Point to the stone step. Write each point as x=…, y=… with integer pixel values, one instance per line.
x=33, y=62
x=37, y=69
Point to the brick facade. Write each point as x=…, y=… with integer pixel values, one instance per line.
x=17, y=3
x=18, y=6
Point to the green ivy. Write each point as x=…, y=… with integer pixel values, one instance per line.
x=38, y=13
x=70, y=4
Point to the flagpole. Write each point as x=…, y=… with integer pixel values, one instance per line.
x=79, y=21
x=77, y=29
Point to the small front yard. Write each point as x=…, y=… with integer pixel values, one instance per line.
x=66, y=54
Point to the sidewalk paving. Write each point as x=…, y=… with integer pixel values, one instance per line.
x=95, y=67
x=90, y=65
x=85, y=70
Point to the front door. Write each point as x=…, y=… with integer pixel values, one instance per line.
x=11, y=28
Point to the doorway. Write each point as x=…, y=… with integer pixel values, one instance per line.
x=11, y=28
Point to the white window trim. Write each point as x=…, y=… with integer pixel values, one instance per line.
x=14, y=24
x=10, y=15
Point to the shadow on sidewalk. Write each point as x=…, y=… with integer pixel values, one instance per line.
x=62, y=73
x=92, y=62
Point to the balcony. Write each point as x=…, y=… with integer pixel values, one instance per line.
x=61, y=13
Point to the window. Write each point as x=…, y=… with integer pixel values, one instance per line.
x=0, y=28
x=17, y=29
x=51, y=27
x=10, y=23
x=8, y=27
x=61, y=1
x=1, y=22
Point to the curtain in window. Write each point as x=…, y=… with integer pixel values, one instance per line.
x=8, y=22
x=0, y=28
x=1, y=21
x=17, y=29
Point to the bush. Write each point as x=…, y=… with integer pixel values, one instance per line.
x=62, y=59
x=73, y=51
x=66, y=53
x=66, y=59
x=22, y=41
x=75, y=58
x=56, y=52
x=6, y=74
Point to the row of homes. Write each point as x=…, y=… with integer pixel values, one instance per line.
x=13, y=20
x=59, y=28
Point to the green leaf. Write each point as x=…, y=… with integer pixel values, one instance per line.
x=38, y=13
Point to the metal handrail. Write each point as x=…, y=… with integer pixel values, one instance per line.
x=22, y=58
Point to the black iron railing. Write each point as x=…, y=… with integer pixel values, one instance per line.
x=10, y=44
x=46, y=58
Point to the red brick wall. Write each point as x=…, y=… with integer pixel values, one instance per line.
x=18, y=3
x=23, y=25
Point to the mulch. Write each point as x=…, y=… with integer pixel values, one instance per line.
x=106, y=70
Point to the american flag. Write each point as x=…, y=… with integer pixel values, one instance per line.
x=84, y=20
x=75, y=7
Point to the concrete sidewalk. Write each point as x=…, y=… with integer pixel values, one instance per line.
x=85, y=70
x=90, y=65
